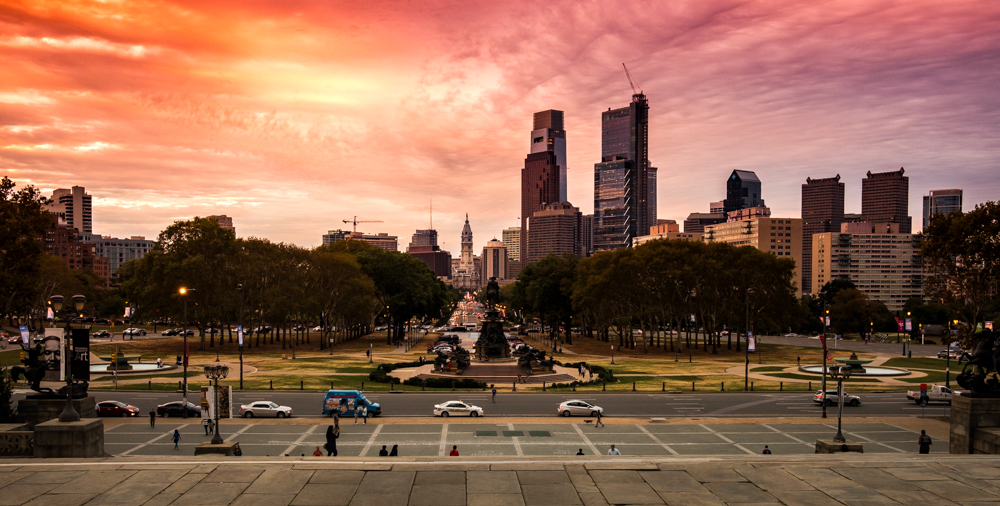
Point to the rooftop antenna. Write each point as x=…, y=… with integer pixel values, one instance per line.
x=432, y=214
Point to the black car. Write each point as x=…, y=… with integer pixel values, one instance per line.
x=176, y=408
x=102, y=333
x=170, y=332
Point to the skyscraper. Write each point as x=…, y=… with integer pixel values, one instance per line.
x=225, y=222
x=884, y=199
x=621, y=179
x=555, y=230
x=512, y=241
x=548, y=134
x=651, y=197
x=822, y=211
x=74, y=207
x=427, y=237
x=424, y=246
x=539, y=186
x=941, y=201
x=465, y=274
x=743, y=191
x=494, y=262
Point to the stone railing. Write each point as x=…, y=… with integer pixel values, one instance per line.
x=16, y=441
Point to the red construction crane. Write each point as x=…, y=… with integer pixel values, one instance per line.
x=630, y=82
x=355, y=222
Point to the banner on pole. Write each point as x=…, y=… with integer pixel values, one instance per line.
x=25, y=335
x=827, y=321
x=909, y=325
x=751, y=343
x=692, y=317
x=822, y=340
x=239, y=334
x=899, y=325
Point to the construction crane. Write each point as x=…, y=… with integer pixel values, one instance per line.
x=355, y=222
x=630, y=82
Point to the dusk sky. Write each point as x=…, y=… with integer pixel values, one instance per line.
x=291, y=116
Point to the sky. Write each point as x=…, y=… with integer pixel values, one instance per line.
x=291, y=117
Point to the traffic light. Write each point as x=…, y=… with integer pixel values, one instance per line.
x=113, y=357
x=22, y=356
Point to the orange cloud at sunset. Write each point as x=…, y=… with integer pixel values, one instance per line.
x=291, y=116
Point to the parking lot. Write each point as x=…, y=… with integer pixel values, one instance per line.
x=510, y=439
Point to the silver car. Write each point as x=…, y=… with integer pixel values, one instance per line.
x=264, y=408
x=577, y=407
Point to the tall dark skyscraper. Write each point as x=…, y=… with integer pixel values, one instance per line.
x=941, y=202
x=549, y=134
x=743, y=191
x=822, y=211
x=884, y=199
x=621, y=180
x=543, y=178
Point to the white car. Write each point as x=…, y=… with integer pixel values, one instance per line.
x=134, y=332
x=264, y=408
x=457, y=408
x=576, y=407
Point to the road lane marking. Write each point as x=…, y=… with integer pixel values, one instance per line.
x=654, y=438
x=151, y=441
x=586, y=439
x=299, y=441
x=371, y=439
x=726, y=439
x=516, y=441
x=444, y=439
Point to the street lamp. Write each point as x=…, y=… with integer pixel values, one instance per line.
x=69, y=413
x=239, y=333
x=215, y=373
x=612, y=354
x=746, y=363
x=839, y=373
x=183, y=291
x=826, y=332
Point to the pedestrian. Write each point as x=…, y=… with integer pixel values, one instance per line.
x=357, y=412
x=332, y=433
x=207, y=424
x=159, y=362
x=925, y=442
x=518, y=378
x=317, y=453
x=767, y=451
x=237, y=451
x=335, y=413
x=494, y=394
x=591, y=375
x=614, y=451
x=177, y=439
x=454, y=451
x=364, y=412
x=395, y=451
x=383, y=452
x=580, y=452
x=152, y=419
x=599, y=423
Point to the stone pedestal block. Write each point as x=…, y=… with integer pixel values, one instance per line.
x=82, y=439
x=16, y=440
x=36, y=411
x=226, y=448
x=968, y=415
x=828, y=446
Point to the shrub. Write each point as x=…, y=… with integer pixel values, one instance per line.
x=445, y=383
x=381, y=377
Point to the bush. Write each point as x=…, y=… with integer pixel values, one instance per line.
x=381, y=377
x=465, y=383
x=387, y=368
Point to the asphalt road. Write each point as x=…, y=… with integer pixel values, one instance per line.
x=689, y=404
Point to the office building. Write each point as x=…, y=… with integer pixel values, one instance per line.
x=539, y=186
x=225, y=222
x=65, y=242
x=555, y=230
x=743, y=191
x=941, y=202
x=118, y=251
x=380, y=240
x=696, y=222
x=465, y=274
x=748, y=213
x=668, y=230
x=549, y=134
x=512, y=241
x=884, y=199
x=622, y=190
x=494, y=261
x=587, y=235
x=74, y=208
x=822, y=211
x=883, y=263
x=651, y=196
x=424, y=246
x=717, y=207
x=778, y=236
x=424, y=238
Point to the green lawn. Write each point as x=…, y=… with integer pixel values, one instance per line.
x=932, y=378
x=10, y=357
x=937, y=364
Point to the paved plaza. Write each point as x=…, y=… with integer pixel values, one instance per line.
x=483, y=439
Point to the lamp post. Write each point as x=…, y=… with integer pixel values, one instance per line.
x=840, y=373
x=215, y=373
x=746, y=362
x=69, y=413
x=183, y=291
x=826, y=331
x=612, y=354
x=239, y=332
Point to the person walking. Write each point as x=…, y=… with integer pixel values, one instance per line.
x=332, y=434
x=395, y=451
x=383, y=452
x=207, y=424
x=357, y=412
x=925, y=442
x=494, y=394
x=599, y=423
x=364, y=413
x=152, y=419
x=614, y=451
x=767, y=451
x=177, y=439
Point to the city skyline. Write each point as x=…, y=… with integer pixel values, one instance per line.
x=264, y=113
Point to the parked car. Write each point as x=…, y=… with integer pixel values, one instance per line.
x=176, y=408
x=134, y=332
x=936, y=393
x=831, y=398
x=577, y=407
x=170, y=332
x=954, y=354
x=449, y=408
x=298, y=328
x=116, y=408
x=14, y=340
x=263, y=329
x=264, y=408
x=101, y=334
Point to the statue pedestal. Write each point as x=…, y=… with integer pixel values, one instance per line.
x=226, y=448
x=828, y=446
x=970, y=417
x=36, y=411
x=82, y=439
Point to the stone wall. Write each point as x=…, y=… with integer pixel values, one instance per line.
x=970, y=419
x=36, y=411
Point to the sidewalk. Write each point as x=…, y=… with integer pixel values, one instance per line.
x=812, y=480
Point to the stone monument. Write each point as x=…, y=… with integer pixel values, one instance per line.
x=492, y=343
x=975, y=415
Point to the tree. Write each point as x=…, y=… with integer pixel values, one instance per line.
x=962, y=252
x=23, y=222
x=404, y=287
